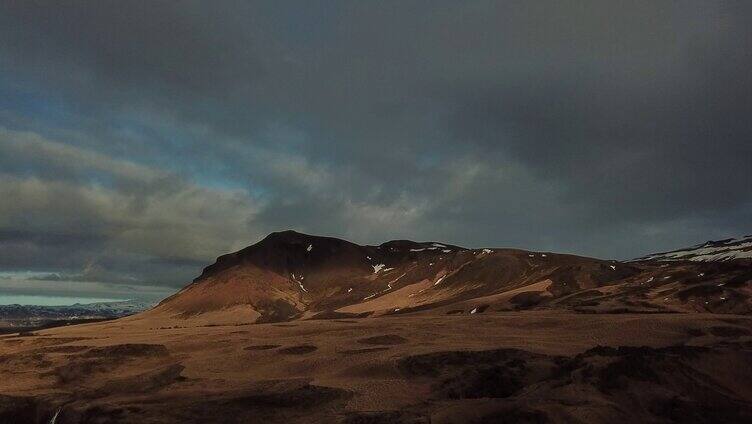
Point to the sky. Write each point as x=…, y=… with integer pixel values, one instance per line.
x=140, y=140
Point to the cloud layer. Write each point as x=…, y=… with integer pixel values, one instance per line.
x=143, y=139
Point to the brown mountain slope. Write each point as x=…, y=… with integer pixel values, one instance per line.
x=289, y=275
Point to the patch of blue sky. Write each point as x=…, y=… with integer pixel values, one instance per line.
x=22, y=275
x=25, y=285
x=130, y=137
x=43, y=300
x=39, y=106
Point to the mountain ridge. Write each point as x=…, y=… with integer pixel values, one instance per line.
x=290, y=275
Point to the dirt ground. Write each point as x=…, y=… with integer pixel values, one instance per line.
x=529, y=366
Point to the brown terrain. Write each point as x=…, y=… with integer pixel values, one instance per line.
x=298, y=328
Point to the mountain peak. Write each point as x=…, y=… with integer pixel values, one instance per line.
x=287, y=235
x=283, y=251
x=292, y=237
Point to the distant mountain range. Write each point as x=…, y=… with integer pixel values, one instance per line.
x=33, y=315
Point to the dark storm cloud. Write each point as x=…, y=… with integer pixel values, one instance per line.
x=175, y=131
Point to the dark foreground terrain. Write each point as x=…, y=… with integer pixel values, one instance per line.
x=492, y=367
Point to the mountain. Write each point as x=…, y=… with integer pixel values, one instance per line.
x=403, y=332
x=721, y=250
x=290, y=275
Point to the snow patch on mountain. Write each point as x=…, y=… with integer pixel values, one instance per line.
x=721, y=250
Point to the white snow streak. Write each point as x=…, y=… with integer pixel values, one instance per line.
x=53, y=420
